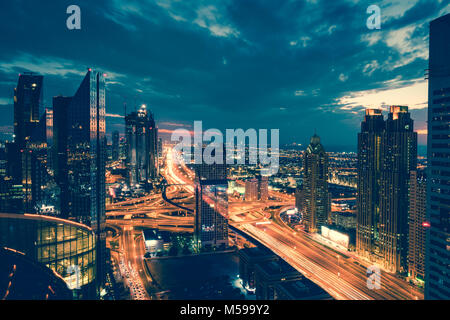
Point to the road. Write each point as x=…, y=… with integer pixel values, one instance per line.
x=343, y=277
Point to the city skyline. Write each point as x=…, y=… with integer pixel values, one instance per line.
x=266, y=60
x=138, y=172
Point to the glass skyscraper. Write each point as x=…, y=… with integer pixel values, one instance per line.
x=437, y=283
x=87, y=160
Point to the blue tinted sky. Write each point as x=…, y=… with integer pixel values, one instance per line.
x=298, y=66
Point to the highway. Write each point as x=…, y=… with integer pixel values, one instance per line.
x=343, y=277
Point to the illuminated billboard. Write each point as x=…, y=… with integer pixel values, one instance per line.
x=335, y=236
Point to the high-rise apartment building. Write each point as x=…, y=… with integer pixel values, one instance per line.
x=387, y=152
x=417, y=225
x=437, y=270
x=315, y=186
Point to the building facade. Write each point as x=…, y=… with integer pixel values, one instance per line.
x=417, y=225
x=437, y=283
x=66, y=247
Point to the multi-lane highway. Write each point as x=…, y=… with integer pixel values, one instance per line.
x=343, y=276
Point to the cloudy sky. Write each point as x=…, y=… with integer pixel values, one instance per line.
x=298, y=65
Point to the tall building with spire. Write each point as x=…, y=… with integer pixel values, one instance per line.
x=437, y=283
x=315, y=186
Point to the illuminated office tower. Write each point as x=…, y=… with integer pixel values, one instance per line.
x=315, y=186
x=369, y=172
x=399, y=158
x=86, y=160
x=417, y=225
x=211, y=205
x=115, y=146
x=263, y=188
x=142, y=147
x=251, y=190
x=437, y=266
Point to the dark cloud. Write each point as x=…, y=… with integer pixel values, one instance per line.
x=232, y=63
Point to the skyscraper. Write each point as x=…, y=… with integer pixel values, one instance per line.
x=369, y=172
x=27, y=160
x=211, y=205
x=86, y=160
x=387, y=152
x=28, y=107
x=437, y=283
x=399, y=158
x=417, y=225
x=142, y=147
x=315, y=186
